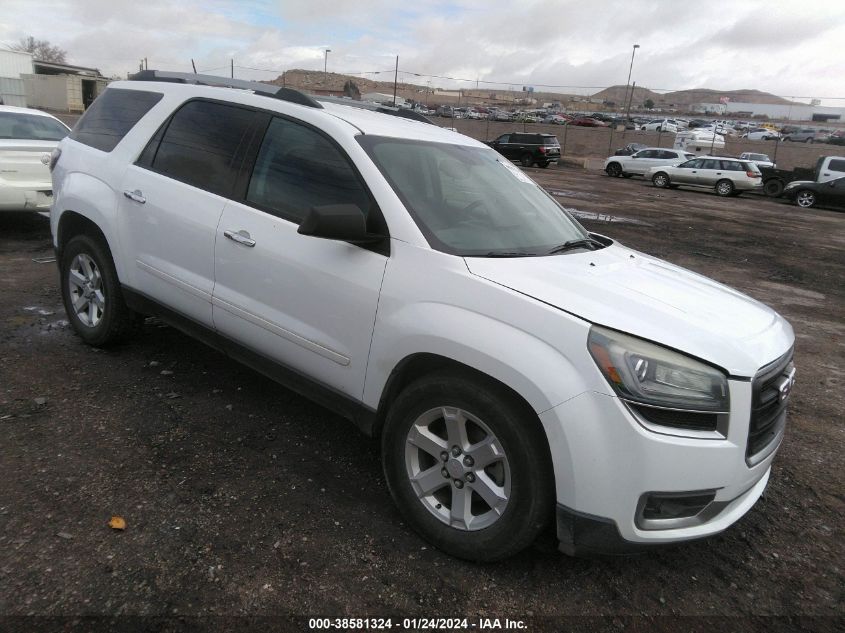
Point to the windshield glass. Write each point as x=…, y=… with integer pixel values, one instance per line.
x=31, y=127
x=471, y=201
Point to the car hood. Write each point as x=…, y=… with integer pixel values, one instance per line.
x=646, y=297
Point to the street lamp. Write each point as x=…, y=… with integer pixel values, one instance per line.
x=326, y=60
x=628, y=83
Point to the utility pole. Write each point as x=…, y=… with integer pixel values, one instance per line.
x=233, y=68
x=628, y=110
x=193, y=65
x=145, y=64
x=630, y=68
x=395, y=80
x=326, y=60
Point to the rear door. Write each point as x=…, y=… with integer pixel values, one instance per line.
x=302, y=302
x=709, y=173
x=172, y=200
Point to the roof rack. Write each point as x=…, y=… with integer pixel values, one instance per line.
x=267, y=90
x=375, y=107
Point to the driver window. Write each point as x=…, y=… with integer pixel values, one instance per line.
x=504, y=138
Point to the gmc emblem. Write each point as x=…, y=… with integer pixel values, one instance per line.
x=785, y=385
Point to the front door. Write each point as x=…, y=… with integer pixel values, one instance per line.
x=306, y=303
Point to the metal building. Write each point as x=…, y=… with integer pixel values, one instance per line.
x=13, y=64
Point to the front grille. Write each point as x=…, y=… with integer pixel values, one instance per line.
x=769, y=398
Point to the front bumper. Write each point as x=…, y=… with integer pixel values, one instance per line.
x=607, y=463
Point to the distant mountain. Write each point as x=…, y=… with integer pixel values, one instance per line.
x=616, y=94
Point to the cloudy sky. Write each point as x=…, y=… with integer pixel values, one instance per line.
x=788, y=47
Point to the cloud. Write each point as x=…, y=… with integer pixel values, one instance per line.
x=789, y=47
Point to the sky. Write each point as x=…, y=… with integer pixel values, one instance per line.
x=792, y=48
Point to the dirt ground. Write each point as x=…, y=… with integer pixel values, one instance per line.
x=242, y=498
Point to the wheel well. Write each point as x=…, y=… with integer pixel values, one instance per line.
x=72, y=224
x=416, y=366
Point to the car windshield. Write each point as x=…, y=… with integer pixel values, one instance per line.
x=471, y=201
x=762, y=157
x=31, y=127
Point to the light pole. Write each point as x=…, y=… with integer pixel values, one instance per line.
x=630, y=68
x=326, y=60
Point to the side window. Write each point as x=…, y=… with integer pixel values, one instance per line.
x=692, y=164
x=647, y=153
x=836, y=165
x=504, y=138
x=732, y=165
x=297, y=168
x=520, y=138
x=111, y=116
x=200, y=144
x=710, y=164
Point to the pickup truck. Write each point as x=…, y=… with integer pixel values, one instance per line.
x=827, y=168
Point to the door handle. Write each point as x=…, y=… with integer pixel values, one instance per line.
x=241, y=237
x=718, y=173
x=135, y=196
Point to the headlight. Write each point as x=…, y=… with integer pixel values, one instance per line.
x=642, y=372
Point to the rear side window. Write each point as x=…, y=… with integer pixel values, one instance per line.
x=201, y=143
x=111, y=116
x=733, y=165
x=297, y=168
x=551, y=140
x=837, y=165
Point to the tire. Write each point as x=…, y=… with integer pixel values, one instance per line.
x=526, y=160
x=519, y=478
x=660, y=179
x=543, y=165
x=91, y=293
x=614, y=170
x=773, y=188
x=808, y=140
x=724, y=188
x=805, y=199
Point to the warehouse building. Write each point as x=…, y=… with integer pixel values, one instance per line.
x=788, y=112
x=13, y=65
x=62, y=87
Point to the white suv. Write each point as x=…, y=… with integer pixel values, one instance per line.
x=640, y=162
x=517, y=369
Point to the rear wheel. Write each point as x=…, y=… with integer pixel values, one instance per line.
x=805, y=199
x=91, y=293
x=660, y=179
x=724, y=188
x=468, y=467
x=773, y=188
x=526, y=160
x=614, y=170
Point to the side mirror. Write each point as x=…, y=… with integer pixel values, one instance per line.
x=343, y=222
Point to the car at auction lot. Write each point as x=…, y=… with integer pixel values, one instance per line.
x=761, y=160
x=726, y=176
x=640, y=162
x=587, y=121
x=27, y=138
x=518, y=371
x=761, y=134
x=630, y=148
x=806, y=193
x=528, y=148
x=660, y=125
x=805, y=135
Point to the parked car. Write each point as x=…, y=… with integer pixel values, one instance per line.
x=805, y=135
x=761, y=134
x=555, y=119
x=826, y=168
x=640, y=162
x=761, y=160
x=515, y=368
x=630, y=148
x=837, y=138
x=587, y=121
x=726, y=176
x=660, y=125
x=27, y=137
x=528, y=148
x=808, y=194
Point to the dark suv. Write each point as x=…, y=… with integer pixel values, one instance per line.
x=528, y=149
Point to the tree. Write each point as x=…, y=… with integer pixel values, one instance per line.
x=350, y=89
x=41, y=50
x=649, y=104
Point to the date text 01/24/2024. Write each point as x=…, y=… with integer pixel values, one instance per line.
x=416, y=624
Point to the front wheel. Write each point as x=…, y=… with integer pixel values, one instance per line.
x=543, y=165
x=805, y=199
x=724, y=188
x=660, y=179
x=773, y=188
x=468, y=466
x=526, y=160
x=91, y=293
x=614, y=170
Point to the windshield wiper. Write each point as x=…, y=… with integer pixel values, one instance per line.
x=509, y=254
x=583, y=242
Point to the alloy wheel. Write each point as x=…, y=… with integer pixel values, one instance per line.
x=458, y=468
x=805, y=199
x=86, y=290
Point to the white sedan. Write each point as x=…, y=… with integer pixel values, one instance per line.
x=27, y=138
x=661, y=125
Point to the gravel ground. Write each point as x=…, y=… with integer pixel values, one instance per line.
x=243, y=499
